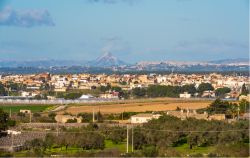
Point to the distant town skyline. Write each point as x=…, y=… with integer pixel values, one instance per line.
x=132, y=30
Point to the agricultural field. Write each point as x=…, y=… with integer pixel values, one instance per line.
x=138, y=106
x=33, y=108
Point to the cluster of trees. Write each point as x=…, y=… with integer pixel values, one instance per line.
x=220, y=92
x=244, y=90
x=86, y=141
x=155, y=138
x=3, y=91
x=11, y=88
x=170, y=91
x=230, y=109
x=5, y=122
x=169, y=131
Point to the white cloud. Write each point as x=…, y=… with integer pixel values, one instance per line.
x=25, y=18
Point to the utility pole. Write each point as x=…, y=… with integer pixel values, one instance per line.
x=127, y=138
x=132, y=141
x=12, y=140
x=57, y=129
x=238, y=112
x=93, y=115
x=30, y=116
x=10, y=112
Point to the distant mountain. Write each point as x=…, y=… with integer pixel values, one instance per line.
x=40, y=63
x=238, y=61
x=106, y=60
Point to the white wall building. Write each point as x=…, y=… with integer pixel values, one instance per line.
x=143, y=118
x=185, y=95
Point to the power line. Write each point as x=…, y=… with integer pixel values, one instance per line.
x=212, y=131
x=145, y=129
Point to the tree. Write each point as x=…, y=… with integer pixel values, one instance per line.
x=116, y=89
x=222, y=91
x=45, y=86
x=73, y=95
x=36, y=145
x=90, y=141
x=244, y=90
x=71, y=121
x=218, y=107
x=123, y=83
x=139, y=92
x=13, y=86
x=49, y=141
x=150, y=151
x=2, y=90
x=117, y=135
x=52, y=115
x=4, y=117
x=189, y=88
x=192, y=140
x=205, y=87
x=36, y=114
x=99, y=117
x=86, y=117
x=244, y=106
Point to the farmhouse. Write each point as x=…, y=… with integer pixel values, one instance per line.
x=25, y=111
x=217, y=117
x=183, y=114
x=143, y=118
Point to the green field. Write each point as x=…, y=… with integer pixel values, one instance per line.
x=185, y=150
x=33, y=108
x=74, y=150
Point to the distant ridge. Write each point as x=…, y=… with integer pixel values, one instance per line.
x=109, y=60
x=238, y=61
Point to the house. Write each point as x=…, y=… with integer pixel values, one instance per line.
x=217, y=117
x=25, y=111
x=245, y=97
x=12, y=132
x=113, y=95
x=245, y=116
x=60, y=89
x=143, y=118
x=88, y=96
x=65, y=118
x=208, y=94
x=188, y=113
x=29, y=94
x=185, y=95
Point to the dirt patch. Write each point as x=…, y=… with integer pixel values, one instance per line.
x=137, y=107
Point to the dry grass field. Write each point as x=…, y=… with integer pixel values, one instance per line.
x=161, y=104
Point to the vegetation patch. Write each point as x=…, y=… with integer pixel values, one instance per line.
x=33, y=108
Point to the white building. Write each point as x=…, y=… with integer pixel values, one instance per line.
x=13, y=132
x=143, y=118
x=88, y=96
x=185, y=95
x=25, y=111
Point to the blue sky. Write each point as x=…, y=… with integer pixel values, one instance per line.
x=133, y=30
